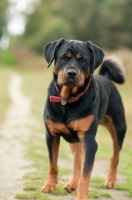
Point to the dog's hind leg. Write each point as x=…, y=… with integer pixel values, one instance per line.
x=73, y=183
x=117, y=129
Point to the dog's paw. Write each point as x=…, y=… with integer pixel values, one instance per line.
x=71, y=186
x=110, y=182
x=48, y=188
x=85, y=198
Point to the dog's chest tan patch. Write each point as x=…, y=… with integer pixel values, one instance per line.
x=81, y=125
x=56, y=128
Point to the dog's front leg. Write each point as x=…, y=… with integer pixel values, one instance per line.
x=53, y=148
x=88, y=150
x=73, y=183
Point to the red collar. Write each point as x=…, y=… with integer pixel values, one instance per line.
x=56, y=99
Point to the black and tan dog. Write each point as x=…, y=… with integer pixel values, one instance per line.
x=77, y=103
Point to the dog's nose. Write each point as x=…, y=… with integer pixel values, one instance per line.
x=71, y=72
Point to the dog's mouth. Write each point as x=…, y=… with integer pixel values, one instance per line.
x=71, y=82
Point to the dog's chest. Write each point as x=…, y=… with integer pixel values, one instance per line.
x=79, y=126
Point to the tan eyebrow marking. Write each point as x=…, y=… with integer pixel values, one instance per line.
x=68, y=55
x=78, y=56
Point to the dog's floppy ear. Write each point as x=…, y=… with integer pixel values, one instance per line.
x=97, y=55
x=50, y=48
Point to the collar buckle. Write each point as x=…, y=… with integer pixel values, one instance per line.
x=63, y=102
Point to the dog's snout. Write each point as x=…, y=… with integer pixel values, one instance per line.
x=71, y=72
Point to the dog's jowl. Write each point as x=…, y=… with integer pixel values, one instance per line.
x=77, y=103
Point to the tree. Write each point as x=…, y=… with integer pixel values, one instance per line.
x=106, y=23
x=127, y=24
x=3, y=16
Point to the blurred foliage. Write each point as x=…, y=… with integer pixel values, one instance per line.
x=107, y=23
x=3, y=16
x=7, y=58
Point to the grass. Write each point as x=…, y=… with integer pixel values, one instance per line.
x=7, y=58
x=35, y=84
x=97, y=182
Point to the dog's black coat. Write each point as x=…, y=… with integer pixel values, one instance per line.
x=101, y=99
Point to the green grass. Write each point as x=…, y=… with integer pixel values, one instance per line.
x=7, y=58
x=31, y=196
x=97, y=182
x=105, y=195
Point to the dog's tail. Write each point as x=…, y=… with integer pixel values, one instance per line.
x=113, y=69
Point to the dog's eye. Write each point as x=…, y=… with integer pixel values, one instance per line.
x=64, y=58
x=82, y=60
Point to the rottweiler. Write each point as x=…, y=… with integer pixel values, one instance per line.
x=77, y=103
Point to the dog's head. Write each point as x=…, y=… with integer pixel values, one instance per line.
x=74, y=60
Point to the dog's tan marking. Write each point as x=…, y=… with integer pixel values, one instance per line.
x=66, y=92
x=59, y=79
x=82, y=190
x=81, y=125
x=82, y=77
x=56, y=128
x=73, y=183
x=56, y=68
x=87, y=75
x=68, y=55
x=111, y=178
x=74, y=90
x=78, y=56
x=50, y=184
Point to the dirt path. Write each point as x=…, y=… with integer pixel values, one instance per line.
x=14, y=132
